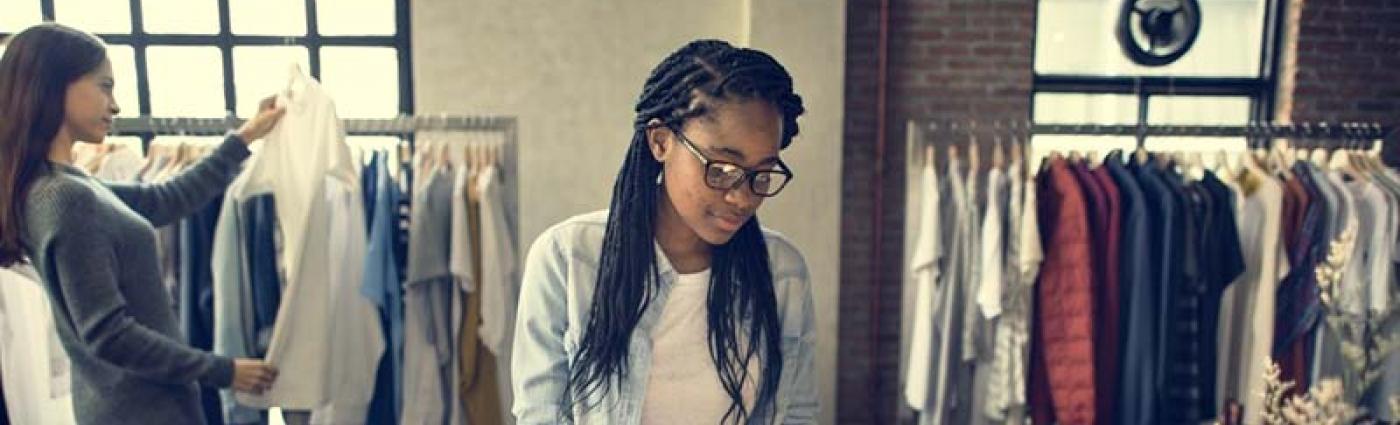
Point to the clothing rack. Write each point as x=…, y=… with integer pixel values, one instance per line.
x=405, y=126
x=401, y=126
x=1353, y=131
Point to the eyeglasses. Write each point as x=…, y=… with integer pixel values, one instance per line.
x=721, y=175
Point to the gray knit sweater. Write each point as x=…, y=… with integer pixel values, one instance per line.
x=94, y=244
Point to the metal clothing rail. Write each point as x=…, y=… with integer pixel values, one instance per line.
x=1321, y=130
x=1369, y=131
x=401, y=126
x=1257, y=132
x=406, y=127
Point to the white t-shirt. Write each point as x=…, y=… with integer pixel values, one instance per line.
x=684, y=387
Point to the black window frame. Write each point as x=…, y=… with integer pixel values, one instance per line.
x=225, y=40
x=1260, y=89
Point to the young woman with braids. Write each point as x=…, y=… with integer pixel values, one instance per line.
x=674, y=306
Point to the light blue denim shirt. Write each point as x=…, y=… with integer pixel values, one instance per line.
x=557, y=292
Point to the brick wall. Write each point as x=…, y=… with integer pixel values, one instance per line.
x=1348, y=64
x=948, y=60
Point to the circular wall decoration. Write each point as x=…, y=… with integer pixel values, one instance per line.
x=1158, y=32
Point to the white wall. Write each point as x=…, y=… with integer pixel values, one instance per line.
x=571, y=71
x=809, y=38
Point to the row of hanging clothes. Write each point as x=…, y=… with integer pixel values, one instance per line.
x=1150, y=287
x=377, y=277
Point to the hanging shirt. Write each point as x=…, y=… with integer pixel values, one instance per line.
x=358, y=339
x=974, y=328
x=989, y=288
x=381, y=287
x=1107, y=337
x=33, y=366
x=233, y=301
x=300, y=156
x=1298, y=311
x=498, y=288
x=1142, y=358
x=480, y=376
x=196, y=294
x=1136, y=256
x=1341, y=253
x=991, y=262
x=924, y=267
x=1100, y=208
x=1260, y=230
x=1381, y=292
x=1222, y=262
x=947, y=337
x=461, y=244
x=1006, y=376
x=428, y=295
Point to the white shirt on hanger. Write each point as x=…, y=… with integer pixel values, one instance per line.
x=1265, y=263
x=924, y=269
x=304, y=151
x=498, y=284
x=989, y=289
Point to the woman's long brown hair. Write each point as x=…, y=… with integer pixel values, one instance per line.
x=38, y=66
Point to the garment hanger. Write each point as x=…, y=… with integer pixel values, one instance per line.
x=1369, y=154
x=928, y=156
x=1319, y=156
x=465, y=155
x=1362, y=155
x=174, y=163
x=1257, y=141
x=952, y=152
x=424, y=156
x=1344, y=162
x=478, y=157
x=1221, y=163
x=998, y=157
x=1300, y=150
x=1198, y=165
x=1353, y=155
x=973, y=155
x=1281, y=157
x=153, y=153
x=1016, y=155
x=173, y=156
x=1368, y=157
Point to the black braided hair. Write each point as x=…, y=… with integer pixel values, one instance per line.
x=741, y=285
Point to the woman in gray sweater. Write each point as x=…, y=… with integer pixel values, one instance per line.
x=94, y=242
